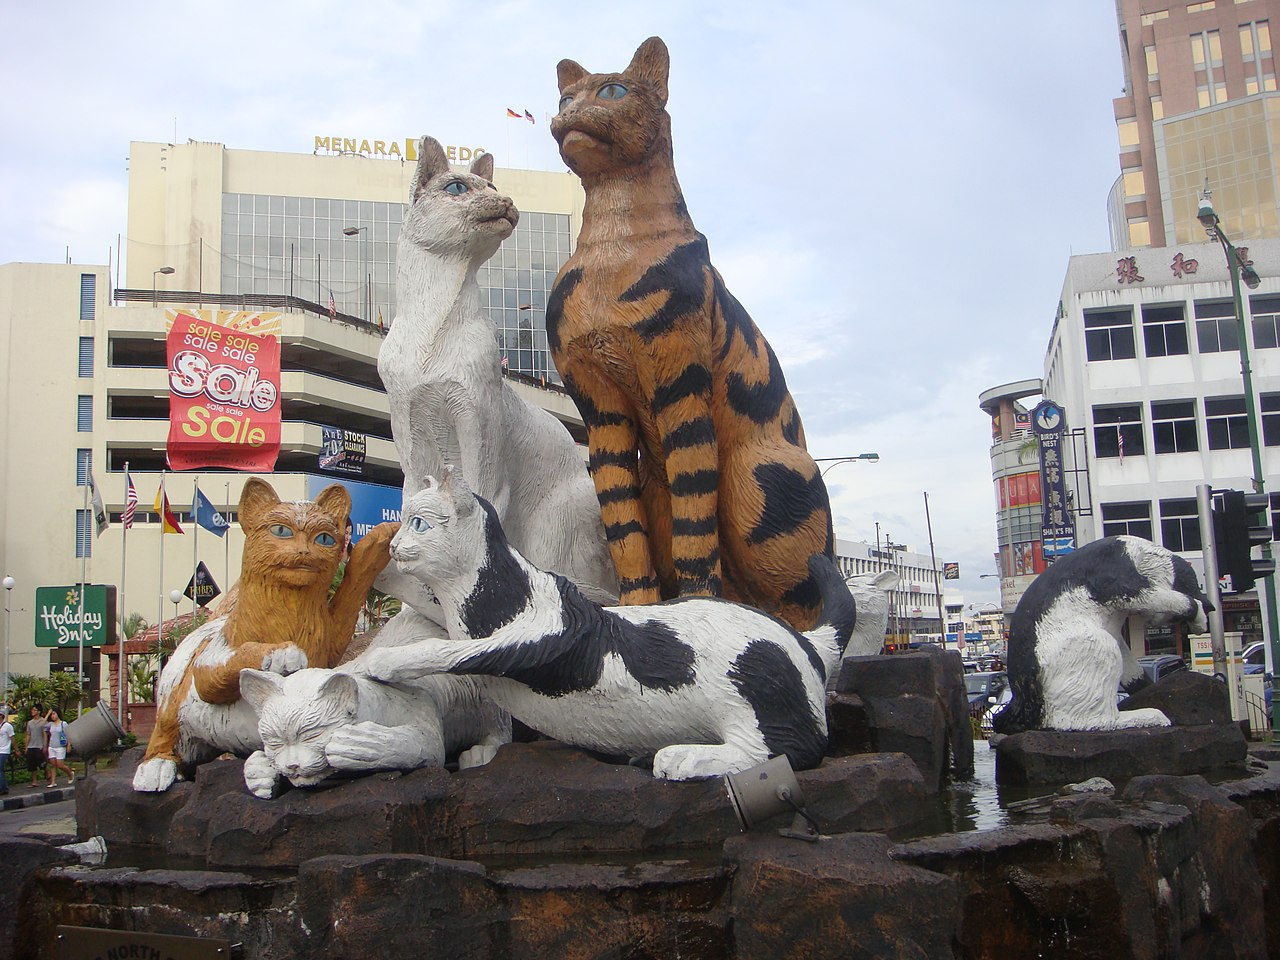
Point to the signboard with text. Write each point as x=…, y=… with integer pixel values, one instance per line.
x=61, y=620
x=342, y=450
x=224, y=397
x=1057, y=526
x=371, y=503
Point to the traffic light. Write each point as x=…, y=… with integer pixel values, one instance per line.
x=1241, y=523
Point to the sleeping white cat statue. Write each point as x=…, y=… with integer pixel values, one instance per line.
x=318, y=723
x=449, y=401
x=1067, y=655
x=703, y=685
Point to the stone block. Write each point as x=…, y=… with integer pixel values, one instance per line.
x=1187, y=698
x=881, y=677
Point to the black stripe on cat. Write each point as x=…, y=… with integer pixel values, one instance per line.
x=686, y=527
x=618, y=531
x=789, y=500
x=692, y=433
x=697, y=482
x=638, y=583
x=693, y=381
x=770, y=682
x=736, y=321
x=561, y=292
x=681, y=275
x=592, y=415
x=759, y=402
x=502, y=587
x=791, y=429
x=610, y=458
x=572, y=660
x=624, y=493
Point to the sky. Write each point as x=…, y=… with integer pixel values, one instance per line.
x=891, y=190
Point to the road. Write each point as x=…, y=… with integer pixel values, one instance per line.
x=59, y=818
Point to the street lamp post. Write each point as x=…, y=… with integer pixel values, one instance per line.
x=364, y=261
x=1243, y=271
x=167, y=271
x=836, y=461
x=9, y=584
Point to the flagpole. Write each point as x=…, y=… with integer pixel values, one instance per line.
x=160, y=633
x=84, y=576
x=195, y=540
x=124, y=558
x=226, y=541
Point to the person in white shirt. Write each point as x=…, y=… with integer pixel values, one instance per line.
x=6, y=748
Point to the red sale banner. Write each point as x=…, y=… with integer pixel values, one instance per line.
x=224, y=397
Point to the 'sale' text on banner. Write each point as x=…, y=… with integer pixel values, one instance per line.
x=224, y=397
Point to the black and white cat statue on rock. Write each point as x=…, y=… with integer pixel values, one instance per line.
x=1067, y=655
x=703, y=686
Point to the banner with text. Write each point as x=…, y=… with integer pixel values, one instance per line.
x=1057, y=525
x=224, y=397
x=342, y=450
x=58, y=616
x=371, y=503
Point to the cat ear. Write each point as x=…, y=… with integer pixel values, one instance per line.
x=335, y=501
x=482, y=166
x=259, y=686
x=568, y=73
x=341, y=689
x=456, y=489
x=431, y=163
x=652, y=63
x=256, y=499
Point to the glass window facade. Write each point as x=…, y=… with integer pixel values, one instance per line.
x=1164, y=331
x=1173, y=426
x=1226, y=423
x=297, y=246
x=1117, y=431
x=1269, y=414
x=1216, y=330
x=1127, y=519
x=1179, y=524
x=1108, y=334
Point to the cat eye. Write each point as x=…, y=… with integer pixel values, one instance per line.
x=326, y=539
x=566, y=100
x=419, y=525
x=280, y=530
x=612, y=91
x=456, y=187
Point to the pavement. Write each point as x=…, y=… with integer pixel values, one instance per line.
x=23, y=795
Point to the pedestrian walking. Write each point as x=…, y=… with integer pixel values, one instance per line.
x=6, y=749
x=35, y=741
x=55, y=738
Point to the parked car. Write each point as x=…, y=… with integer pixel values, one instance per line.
x=987, y=691
x=1255, y=657
x=1159, y=666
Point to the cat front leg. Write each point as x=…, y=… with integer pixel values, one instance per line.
x=261, y=776
x=371, y=746
x=402, y=663
x=220, y=683
x=613, y=440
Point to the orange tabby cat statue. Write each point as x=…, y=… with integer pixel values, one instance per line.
x=282, y=621
x=697, y=451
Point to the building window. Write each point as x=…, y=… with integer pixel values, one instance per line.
x=1216, y=326
x=1135, y=184
x=1255, y=52
x=1180, y=525
x=1153, y=65
x=1127, y=519
x=83, y=464
x=88, y=296
x=1226, y=423
x=1127, y=131
x=1173, y=426
x=1201, y=7
x=84, y=414
x=1157, y=108
x=1270, y=416
x=1108, y=334
x=1149, y=18
x=1139, y=232
x=86, y=357
x=1117, y=431
x=1275, y=516
x=1266, y=321
x=84, y=533
x=1164, y=331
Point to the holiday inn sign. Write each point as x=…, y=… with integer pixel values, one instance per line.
x=62, y=621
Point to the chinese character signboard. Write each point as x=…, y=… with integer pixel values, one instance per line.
x=58, y=616
x=224, y=395
x=1057, y=526
x=342, y=450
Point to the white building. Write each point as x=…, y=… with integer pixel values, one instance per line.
x=913, y=604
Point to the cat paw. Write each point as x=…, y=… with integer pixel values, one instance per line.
x=360, y=746
x=697, y=761
x=1146, y=717
x=155, y=775
x=261, y=776
x=285, y=660
x=391, y=665
x=477, y=756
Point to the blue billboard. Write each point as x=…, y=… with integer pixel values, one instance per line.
x=371, y=503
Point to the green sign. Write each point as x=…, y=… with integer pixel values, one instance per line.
x=58, y=610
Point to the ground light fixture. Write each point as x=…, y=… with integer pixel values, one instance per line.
x=766, y=790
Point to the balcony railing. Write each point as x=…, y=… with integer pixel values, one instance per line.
x=248, y=301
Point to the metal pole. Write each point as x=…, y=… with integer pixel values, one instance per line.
x=937, y=584
x=84, y=583
x=1208, y=545
x=121, y=655
x=8, y=619
x=1269, y=612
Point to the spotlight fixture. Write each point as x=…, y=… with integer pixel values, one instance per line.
x=766, y=790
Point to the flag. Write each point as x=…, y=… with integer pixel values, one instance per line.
x=381, y=327
x=504, y=362
x=515, y=116
x=168, y=521
x=333, y=307
x=130, y=501
x=99, y=511
x=529, y=116
x=207, y=515
x=1120, y=443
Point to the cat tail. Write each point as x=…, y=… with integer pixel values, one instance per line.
x=835, y=623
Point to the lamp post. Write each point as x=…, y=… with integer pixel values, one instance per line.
x=1243, y=271
x=9, y=584
x=167, y=271
x=836, y=461
x=363, y=232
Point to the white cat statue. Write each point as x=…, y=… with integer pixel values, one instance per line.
x=449, y=401
x=704, y=686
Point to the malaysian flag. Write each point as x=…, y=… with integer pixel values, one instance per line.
x=130, y=501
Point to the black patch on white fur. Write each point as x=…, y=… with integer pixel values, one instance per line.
x=770, y=682
x=573, y=659
x=502, y=586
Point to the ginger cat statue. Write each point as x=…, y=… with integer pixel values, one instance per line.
x=697, y=451
x=283, y=621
